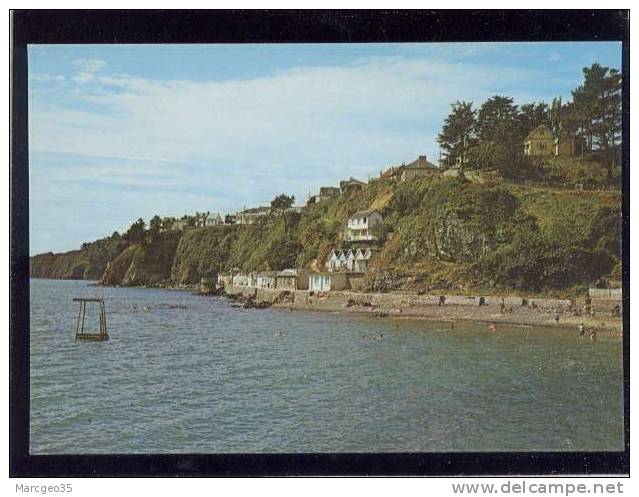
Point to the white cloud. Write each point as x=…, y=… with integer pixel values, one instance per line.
x=220, y=145
x=87, y=69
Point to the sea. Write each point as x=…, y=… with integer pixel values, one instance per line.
x=183, y=373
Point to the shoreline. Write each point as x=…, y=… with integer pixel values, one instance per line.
x=418, y=307
x=425, y=307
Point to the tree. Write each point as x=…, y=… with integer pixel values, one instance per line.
x=490, y=155
x=155, y=226
x=168, y=223
x=532, y=115
x=191, y=221
x=498, y=124
x=136, y=232
x=282, y=202
x=598, y=102
x=496, y=119
x=458, y=133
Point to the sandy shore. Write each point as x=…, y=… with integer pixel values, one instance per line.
x=426, y=307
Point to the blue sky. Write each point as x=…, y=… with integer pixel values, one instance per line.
x=118, y=132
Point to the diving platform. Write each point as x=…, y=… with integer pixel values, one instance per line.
x=90, y=336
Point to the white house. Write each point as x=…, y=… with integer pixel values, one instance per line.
x=213, y=220
x=360, y=225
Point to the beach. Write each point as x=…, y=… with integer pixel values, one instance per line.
x=535, y=312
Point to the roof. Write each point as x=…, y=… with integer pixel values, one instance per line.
x=267, y=274
x=541, y=126
x=416, y=164
x=365, y=213
x=287, y=273
x=255, y=210
x=351, y=181
x=328, y=189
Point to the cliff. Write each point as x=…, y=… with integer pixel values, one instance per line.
x=87, y=263
x=143, y=264
x=443, y=233
x=201, y=252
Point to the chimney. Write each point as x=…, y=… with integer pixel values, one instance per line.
x=421, y=161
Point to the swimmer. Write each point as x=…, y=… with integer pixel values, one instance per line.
x=279, y=333
x=380, y=337
x=492, y=327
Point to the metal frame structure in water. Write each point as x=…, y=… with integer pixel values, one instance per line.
x=79, y=327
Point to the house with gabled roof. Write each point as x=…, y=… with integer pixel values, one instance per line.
x=360, y=225
x=214, y=220
x=418, y=168
x=539, y=142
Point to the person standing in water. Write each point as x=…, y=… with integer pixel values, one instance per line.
x=582, y=329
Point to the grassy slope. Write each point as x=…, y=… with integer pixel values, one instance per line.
x=446, y=234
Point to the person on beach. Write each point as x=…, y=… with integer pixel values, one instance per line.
x=442, y=300
x=502, y=306
x=557, y=317
x=593, y=336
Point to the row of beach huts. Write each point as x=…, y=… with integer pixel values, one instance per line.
x=294, y=279
x=345, y=269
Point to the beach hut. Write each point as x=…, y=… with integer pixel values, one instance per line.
x=325, y=282
x=349, y=260
x=332, y=263
x=292, y=279
x=267, y=279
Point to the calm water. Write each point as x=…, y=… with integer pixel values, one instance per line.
x=193, y=374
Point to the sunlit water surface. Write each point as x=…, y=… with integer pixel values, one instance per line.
x=183, y=373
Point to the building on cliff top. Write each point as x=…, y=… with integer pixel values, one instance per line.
x=249, y=216
x=419, y=168
x=350, y=185
x=213, y=220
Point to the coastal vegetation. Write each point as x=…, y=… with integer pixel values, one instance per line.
x=504, y=222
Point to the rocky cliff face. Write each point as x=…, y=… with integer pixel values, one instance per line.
x=202, y=252
x=143, y=264
x=87, y=263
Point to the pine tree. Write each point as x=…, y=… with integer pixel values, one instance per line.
x=458, y=133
